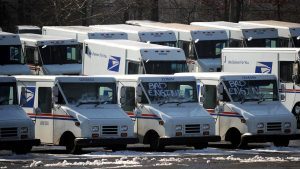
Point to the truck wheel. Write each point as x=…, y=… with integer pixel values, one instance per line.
x=71, y=148
x=154, y=143
x=119, y=147
x=297, y=115
x=201, y=145
x=22, y=149
x=234, y=136
x=281, y=143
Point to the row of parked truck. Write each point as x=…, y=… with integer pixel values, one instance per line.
x=186, y=108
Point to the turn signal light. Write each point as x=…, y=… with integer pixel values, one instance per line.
x=178, y=133
x=95, y=135
x=123, y=134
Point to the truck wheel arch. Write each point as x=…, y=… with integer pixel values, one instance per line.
x=149, y=134
x=230, y=132
x=64, y=137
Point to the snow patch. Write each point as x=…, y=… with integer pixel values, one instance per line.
x=254, y=159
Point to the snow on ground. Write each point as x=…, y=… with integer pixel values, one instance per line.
x=256, y=158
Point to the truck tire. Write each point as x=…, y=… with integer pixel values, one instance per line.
x=154, y=143
x=201, y=145
x=234, y=136
x=22, y=149
x=281, y=143
x=71, y=148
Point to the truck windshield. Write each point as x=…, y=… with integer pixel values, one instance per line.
x=89, y=93
x=60, y=54
x=270, y=43
x=165, y=67
x=209, y=49
x=170, y=92
x=8, y=94
x=252, y=90
x=296, y=41
x=11, y=54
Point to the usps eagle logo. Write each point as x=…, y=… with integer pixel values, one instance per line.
x=263, y=67
x=27, y=97
x=113, y=63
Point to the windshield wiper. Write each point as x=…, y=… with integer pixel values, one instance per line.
x=102, y=102
x=186, y=101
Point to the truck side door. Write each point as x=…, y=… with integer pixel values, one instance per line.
x=44, y=114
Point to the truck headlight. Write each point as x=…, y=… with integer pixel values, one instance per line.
x=24, y=130
x=124, y=128
x=287, y=125
x=260, y=125
x=178, y=127
x=95, y=129
x=206, y=126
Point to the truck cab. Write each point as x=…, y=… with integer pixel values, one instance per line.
x=165, y=110
x=51, y=55
x=119, y=57
x=202, y=45
x=16, y=128
x=76, y=112
x=247, y=108
x=12, y=58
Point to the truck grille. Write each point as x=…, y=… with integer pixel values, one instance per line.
x=192, y=128
x=274, y=126
x=109, y=130
x=8, y=132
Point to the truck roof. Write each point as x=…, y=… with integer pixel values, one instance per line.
x=294, y=50
x=228, y=75
x=141, y=33
x=188, y=32
x=28, y=27
x=4, y=79
x=285, y=29
x=9, y=39
x=83, y=32
x=82, y=79
x=151, y=78
x=40, y=40
x=139, y=50
x=240, y=31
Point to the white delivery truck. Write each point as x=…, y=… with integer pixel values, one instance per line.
x=11, y=55
x=76, y=111
x=243, y=35
x=202, y=45
x=51, y=55
x=166, y=111
x=112, y=57
x=289, y=32
x=282, y=62
x=81, y=33
x=28, y=29
x=247, y=107
x=143, y=34
x=16, y=128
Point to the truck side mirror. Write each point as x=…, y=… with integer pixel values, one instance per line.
x=36, y=56
x=122, y=100
x=282, y=97
x=37, y=110
x=220, y=91
x=55, y=92
x=138, y=94
x=296, y=73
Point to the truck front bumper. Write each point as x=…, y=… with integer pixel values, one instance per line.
x=84, y=142
x=261, y=138
x=10, y=144
x=188, y=140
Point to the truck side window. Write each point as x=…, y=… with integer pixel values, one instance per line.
x=133, y=68
x=210, y=97
x=45, y=99
x=286, y=71
x=129, y=104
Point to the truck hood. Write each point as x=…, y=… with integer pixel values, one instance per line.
x=89, y=112
x=63, y=69
x=207, y=64
x=265, y=109
x=184, y=110
x=12, y=112
x=16, y=69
